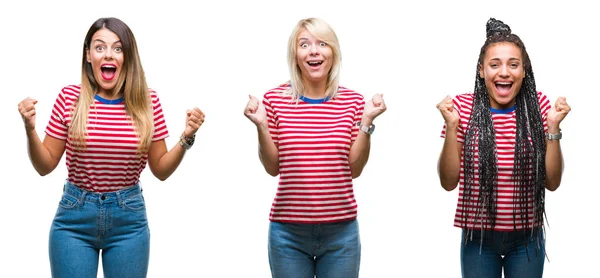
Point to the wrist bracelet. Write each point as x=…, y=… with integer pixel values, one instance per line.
x=551, y=137
x=187, y=142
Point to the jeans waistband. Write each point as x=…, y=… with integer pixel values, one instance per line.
x=105, y=197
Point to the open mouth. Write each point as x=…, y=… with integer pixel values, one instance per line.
x=108, y=71
x=503, y=87
x=315, y=63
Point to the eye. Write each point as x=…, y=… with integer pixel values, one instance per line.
x=99, y=48
x=514, y=65
x=304, y=45
x=322, y=44
x=493, y=66
x=118, y=49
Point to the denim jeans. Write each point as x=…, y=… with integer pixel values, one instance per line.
x=87, y=222
x=519, y=254
x=304, y=250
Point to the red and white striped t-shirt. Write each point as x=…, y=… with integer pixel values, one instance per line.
x=110, y=162
x=505, y=125
x=313, y=139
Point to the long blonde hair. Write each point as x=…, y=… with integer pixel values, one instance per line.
x=320, y=29
x=131, y=83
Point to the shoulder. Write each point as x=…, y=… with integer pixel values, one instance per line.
x=71, y=90
x=542, y=97
x=279, y=92
x=347, y=94
x=153, y=95
x=464, y=100
x=69, y=94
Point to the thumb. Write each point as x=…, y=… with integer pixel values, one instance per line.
x=34, y=101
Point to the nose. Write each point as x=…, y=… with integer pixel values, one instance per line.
x=504, y=72
x=314, y=50
x=108, y=54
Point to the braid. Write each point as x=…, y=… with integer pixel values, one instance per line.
x=480, y=140
x=480, y=155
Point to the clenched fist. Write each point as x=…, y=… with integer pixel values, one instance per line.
x=256, y=112
x=27, y=110
x=194, y=119
x=374, y=107
x=450, y=115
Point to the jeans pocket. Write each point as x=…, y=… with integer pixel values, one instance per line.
x=67, y=201
x=135, y=203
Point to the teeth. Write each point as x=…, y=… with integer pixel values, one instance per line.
x=504, y=83
x=109, y=67
x=315, y=63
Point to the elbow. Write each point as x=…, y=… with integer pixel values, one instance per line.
x=552, y=187
x=448, y=184
x=161, y=176
x=43, y=171
x=355, y=173
x=273, y=172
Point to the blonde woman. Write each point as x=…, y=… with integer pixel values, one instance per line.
x=110, y=126
x=315, y=135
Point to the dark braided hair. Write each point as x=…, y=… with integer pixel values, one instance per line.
x=529, y=173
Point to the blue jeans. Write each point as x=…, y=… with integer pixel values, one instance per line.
x=521, y=255
x=305, y=250
x=87, y=222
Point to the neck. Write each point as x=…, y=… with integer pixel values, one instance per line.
x=110, y=95
x=314, y=89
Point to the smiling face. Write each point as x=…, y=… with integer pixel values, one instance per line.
x=503, y=71
x=314, y=57
x=105, y=55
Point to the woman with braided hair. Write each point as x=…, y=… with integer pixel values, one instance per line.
x=502, y=145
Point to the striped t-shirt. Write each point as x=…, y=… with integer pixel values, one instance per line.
x=505, y=125
x=110, y=161
x=313, y=139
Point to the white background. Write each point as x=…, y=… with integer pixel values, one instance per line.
x=210, y=219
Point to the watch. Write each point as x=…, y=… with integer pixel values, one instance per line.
x=551, y=137
x=366, y=129
x=187, y=142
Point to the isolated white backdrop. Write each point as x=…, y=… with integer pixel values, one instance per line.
x=210, y=219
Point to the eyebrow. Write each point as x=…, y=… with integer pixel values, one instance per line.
x=99, y=40
x=510, y=59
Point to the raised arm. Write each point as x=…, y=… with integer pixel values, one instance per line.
x=46, y=155
x=449, y=161
x=554, y=158
x=267, y=149
x=360, y=149
x=162, y=162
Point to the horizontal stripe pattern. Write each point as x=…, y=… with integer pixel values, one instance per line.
x=314, y=140
x=505, y=125
x=110, y=161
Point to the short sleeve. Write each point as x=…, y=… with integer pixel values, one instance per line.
x=272, y=119
x=544, y=108
x=160, y=125
x=57, y=125
x=360, y=109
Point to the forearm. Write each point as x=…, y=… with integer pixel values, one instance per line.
x=41, y=158
x=554, y=163
x=168, y=162
x=267, y=151
x=449, y=161
x=360, y=150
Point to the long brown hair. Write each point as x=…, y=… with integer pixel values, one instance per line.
x=131, y=83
